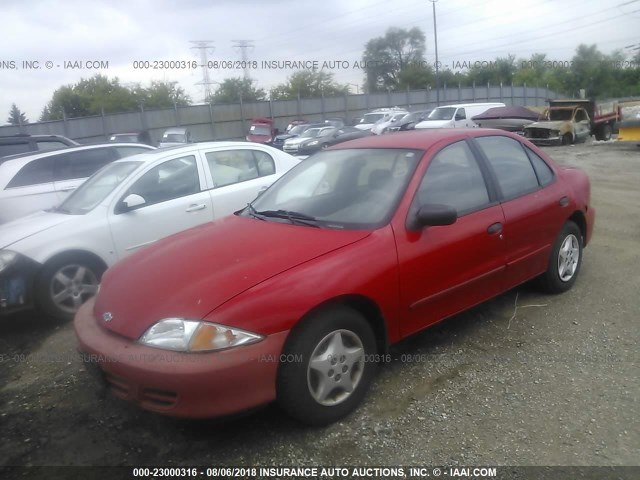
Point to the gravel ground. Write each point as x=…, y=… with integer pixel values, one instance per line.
x=554, y=382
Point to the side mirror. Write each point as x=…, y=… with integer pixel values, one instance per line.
x=130, y=202
x=433, y=215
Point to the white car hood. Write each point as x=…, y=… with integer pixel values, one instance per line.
x=434, y=124
x=24, y=227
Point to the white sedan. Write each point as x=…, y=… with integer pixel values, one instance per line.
x=54, y=259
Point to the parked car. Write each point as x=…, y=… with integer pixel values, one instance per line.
x=456, y=116
x=278, y=141
x=23, y=143
x=295, y=123
x=297, y=297
x=35, y=181
x=369, y=119
x=54, y=259
x=409, y=121
x=132, y=137
x=175, y=137
x=292, y=145
x=381, y=126
x=262, y=131
x=329, y=137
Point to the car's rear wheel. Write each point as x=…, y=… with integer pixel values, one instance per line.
x=564, y=263
x=329, y=367
x=65, y=283
x=567, y=139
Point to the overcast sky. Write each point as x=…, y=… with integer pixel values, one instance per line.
x=121, y=32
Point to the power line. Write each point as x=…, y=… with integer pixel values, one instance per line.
x=244, y=46
x=205, y=47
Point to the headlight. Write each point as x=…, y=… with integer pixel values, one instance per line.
x=7, y=257
x=195, y=336
x=315, y=142
x=554, y=133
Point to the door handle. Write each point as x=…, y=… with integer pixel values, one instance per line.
x=564, y=201
x=263, y=188
x=494, y=228
x=67, y=189
x=195, y=207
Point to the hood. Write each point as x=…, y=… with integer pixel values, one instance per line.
x=556, y=125
x=434, y=124
x=298, y=140
x=284, y=137
x=193, y=272
x=24, y=227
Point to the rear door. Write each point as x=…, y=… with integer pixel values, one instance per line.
x=237, y=176
x=534, y=204
x=447, y=269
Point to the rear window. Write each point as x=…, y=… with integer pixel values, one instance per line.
x=34, y=173
x=14, y=148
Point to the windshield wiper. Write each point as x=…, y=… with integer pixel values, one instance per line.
x=293, y=217
x=254, y=213
x=58, y=209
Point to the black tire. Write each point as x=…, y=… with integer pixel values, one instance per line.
x=296, y=380
x=555, y=280
x=567, y=139
x=604, y=132
x=82, y=284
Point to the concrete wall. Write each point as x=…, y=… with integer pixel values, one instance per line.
x=231, y=121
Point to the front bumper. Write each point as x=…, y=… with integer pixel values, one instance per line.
x=196, y=385
x=17, y=286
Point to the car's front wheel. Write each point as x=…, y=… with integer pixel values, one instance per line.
x=564, y=263
x=328, y=367
x=66, y=283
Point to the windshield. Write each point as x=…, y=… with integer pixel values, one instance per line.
x=358, y=188
x=326, y=132
x=297, y=130
x=260, y=130
x=372, y=117
x=174, y=137
x=561, y=114
x=88, y=195
x=442, y=113
x=311, y=133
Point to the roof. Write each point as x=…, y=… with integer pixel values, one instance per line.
x=507, y=112
x=419, y=139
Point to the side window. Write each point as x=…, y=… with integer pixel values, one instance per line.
x=580, y=115
x=543, y=171
x=510, y=164
x=48, y=145
x=128, y=151
x=232, y=166
x=454, y=178
x=34, y=173
x=171, y=179
x=460, y=114
x=266, y=165
x=14, y=148
x=81, y=164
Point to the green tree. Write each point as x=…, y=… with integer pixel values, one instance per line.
x=230, y=90
x=16, y=116
x=396, y=60
x=161, y=94
x=308, y=83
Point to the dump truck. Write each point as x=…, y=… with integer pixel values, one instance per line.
x=570, y=121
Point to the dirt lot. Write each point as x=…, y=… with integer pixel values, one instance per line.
x=555, y=385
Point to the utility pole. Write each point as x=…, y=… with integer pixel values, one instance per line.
x=205, y=47
x=244, y=46
x=435, y=34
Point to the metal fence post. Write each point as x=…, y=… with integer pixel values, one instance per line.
x=322, y=104
x=177, y=115
x=65, y=124
x=408, y=102
x=512, y=97
x=474, y=91
x=346, y=108
x=104, y=124
x=488, y=92
x=213, y=128
x=244, y=125
x=524, y=92
x=501, y=96
x=459, y=92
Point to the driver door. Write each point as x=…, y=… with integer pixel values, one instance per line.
x=173, y=201
x=460, y=118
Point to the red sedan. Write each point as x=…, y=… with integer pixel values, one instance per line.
x=297, y=297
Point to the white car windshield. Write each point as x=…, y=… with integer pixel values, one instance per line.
x=372, y=117
x=442, y=113
x=88, y=195
x=346, y=189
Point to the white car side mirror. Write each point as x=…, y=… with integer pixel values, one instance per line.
x=133, y=200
